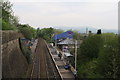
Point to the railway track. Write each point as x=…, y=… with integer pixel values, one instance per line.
x=43, y=65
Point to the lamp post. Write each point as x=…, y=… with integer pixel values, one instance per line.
x=56, y=41
x=75, y=71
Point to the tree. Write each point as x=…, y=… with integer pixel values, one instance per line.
x=27, y=31
x=108, y=60
x=58, y=31
x=90, y=47
x=9, y=21
x=87, y=56
x=45, y=33
x=37, y=32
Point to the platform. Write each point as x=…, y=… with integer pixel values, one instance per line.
x=60, y=64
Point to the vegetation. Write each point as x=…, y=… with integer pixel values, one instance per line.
x=9, y=21
x=27, y=31
x=58, y=31
x=98, y=57
x=26, y=51
x=45, y=33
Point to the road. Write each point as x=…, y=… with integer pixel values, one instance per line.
x=43, y=65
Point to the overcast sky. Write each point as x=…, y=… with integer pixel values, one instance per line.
x=46, y=13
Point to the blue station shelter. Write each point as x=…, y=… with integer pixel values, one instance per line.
x=68, y=34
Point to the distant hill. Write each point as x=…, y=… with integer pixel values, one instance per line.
x=83, y=29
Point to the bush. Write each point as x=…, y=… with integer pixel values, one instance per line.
x=26, y=52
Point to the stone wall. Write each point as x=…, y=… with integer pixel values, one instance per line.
x=10, y=35
x=14, y=63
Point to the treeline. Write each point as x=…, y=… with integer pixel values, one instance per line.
x=98, y=57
